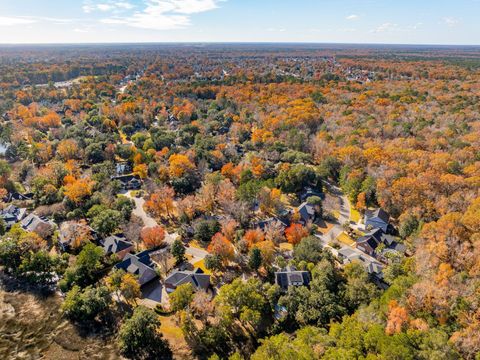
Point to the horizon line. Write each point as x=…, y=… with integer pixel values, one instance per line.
x=234, y=43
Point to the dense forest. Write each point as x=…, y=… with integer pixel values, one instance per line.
x=247, y=183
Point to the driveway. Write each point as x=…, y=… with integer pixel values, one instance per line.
x=198, y=254
x=337, y=228
x=148, y=221
x=344, y=213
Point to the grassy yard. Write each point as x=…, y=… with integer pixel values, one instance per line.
x=354, y=215
x=345, y=239
x=169, y=329
x=286, y=246
x=201, y=265
x=196, y=244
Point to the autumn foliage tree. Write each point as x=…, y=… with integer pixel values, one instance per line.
x=141, y=170
x=152, y=237
x=179, y=165
x=161, y=203
x=76, y=190
x=221, y=247
x=68, y=149
x=397, y=318
x=295, y=233
x=253, y=236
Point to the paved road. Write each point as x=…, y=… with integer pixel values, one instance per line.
x=148, y=221
x=337, y=228
x=140, y=212
x=344, y=211
x=198, y=254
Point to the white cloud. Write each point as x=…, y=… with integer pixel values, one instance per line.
x=57, y=21
x=165, y=14
x=124, y=5
x=105, y=7
x=450, y=21
x=352, y=17
x=386, y=27
x=12, y=21
x=118, y=6
x=187, y=6
x=392, y=27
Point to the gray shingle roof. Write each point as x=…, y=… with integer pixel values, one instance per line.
x=306, y=211
x=377, y=214
x=139, y=264
x=197, y=278
x=37, y=224
x=114, y=244
x=292, y=277
x=12, y=214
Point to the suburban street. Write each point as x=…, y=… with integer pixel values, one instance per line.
x=337, y=229
x=344, y=211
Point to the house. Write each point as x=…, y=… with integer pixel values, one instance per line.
x=285, y=215
x=307, y=213
x=7, y=116
x=368, y=243
x=40, y=225
x=371, y=240
x=118, y=245
x=374, y=268
x=197, y=278
x=377, y=219
x=309, y=192
x=129, y=182
x=122, y=168
x=392, y=245
x=347, y=255
x=273, y=221
x=3, y=148
x=291, y=277
x=74, y=232
x=17, y=196
x=12, y=214
x=140, y=265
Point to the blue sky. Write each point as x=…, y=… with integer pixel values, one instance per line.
x=332, y=21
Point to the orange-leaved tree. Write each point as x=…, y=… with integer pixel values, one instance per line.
x=77, y=190
x=161, y=203
x=295, y=232
x=253, y=236
x=179, y=165
x=152, y=237
x=221, y=247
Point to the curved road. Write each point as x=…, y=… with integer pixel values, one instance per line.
x=196, y=253
x=344, y=211
x=337, y=228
